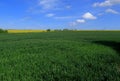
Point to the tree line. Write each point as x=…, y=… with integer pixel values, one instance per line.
x=3, y=31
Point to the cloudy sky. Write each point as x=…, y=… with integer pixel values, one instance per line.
x=60, y=14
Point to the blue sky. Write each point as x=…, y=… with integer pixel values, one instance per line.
x=60, y=14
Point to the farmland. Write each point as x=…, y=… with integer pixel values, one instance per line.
x=60, y=56
x=25, y=31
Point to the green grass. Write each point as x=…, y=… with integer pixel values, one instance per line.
x=60, y=56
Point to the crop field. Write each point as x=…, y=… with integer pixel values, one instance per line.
x=60, y=56
x=25, y=31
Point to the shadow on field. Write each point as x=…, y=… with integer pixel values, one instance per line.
x=112, y=44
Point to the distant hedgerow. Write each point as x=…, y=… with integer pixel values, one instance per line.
x=3, y=31
x=48, y=30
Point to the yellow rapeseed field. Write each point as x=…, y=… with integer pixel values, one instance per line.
x=25, y=31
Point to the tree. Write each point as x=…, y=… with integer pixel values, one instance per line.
x=3, y=31
x=48, y=30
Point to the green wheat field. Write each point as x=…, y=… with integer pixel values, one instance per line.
x=60, y=56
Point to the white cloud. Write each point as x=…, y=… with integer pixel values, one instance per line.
x=77, y=22
x=106, y=3
x=68, y=7
x=111, y=11
x=48, y=4
x=50, y=15
x=43, y=6
x=80, y=21
x=72, y=24
x=100, y=14
x=88, y=15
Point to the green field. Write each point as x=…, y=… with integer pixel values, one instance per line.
x=60, y=56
